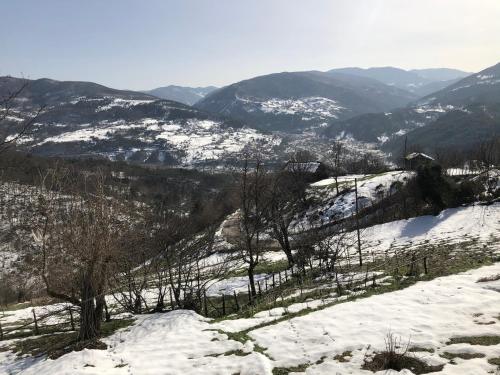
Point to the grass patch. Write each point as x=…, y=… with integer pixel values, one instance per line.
x=287, y=370
x=489, y=278
x=381, y=362
x=343, y=357
x=494, y=361
x=416, y=349
x=451, y=356
x=475, y=340
x=56, y=345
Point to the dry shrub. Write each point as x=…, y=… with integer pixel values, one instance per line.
x=396, y=357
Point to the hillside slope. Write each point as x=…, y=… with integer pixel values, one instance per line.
x=85, y=119
x=181, y=94
x=459, y=115
x=295, y=101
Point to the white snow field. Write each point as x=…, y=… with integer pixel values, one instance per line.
x=182, y=342
x=428, y=313
x=332, y=207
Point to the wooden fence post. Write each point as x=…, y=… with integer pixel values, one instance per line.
x=171, y=299
x=236, y=301
x=260, y=290
x=223, y=304
x=205, y=302
x=274, y=284
x=425, y=265
x=36, y=322
x=279, y=277
x=71, y=319
x=286, y=276
x=1, y=331
x=249, y=294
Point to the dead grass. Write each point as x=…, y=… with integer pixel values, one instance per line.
x=475, y=340
x=489, y=278
x=451, y=356
x=344, y=357
x=396, y=357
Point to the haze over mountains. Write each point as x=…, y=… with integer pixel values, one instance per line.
x=182, y=94
x=421, y=82
x=272, y=113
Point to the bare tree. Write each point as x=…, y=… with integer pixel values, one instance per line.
x=335, y=161
x=7, y=110
x=281, y=209
x=77, y=237
x=252, y=186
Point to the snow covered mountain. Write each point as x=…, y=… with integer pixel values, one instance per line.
x=296, y=101
x=85, y=119
x=181, y=94
x=421, y=82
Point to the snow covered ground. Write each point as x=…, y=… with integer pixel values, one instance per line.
x=311, y=108
x=429, y=314
x=195, y=140
x=454, y=225
x=371, y=188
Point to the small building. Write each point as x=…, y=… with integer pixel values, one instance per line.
x=416, y=159
x=314, y=170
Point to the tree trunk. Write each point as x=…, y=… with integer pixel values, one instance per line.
x=251, y=280
x=89, y=324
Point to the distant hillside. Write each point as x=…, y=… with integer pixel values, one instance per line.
x=459, y=115
x=421, y=82
x=296, y=101
x=483, y=87
x=86, y=119
x=186, y=95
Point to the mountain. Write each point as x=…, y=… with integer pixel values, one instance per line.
x=181, y=94
x=461, y=115
x=459, y=129
x=295, y=101
x=441, y=74
x=421, y=82
x=482, y=87
x=86, y=119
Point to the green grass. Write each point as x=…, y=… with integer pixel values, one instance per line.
x=287, y=370
x=494, y=361
x=55, y=345
x=416, y=349
x=452, y=356
x=475, y=340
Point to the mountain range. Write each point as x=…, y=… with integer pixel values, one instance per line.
x=459, y=115
x=181, y=94
x=295, y=101
x=273, y=113
x=82, y=119
x=420, y=82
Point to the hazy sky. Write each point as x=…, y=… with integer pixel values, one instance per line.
x=149, y=43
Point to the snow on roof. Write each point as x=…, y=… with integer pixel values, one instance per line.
x=414, y=155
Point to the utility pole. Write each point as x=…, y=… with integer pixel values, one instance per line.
x=357, y=222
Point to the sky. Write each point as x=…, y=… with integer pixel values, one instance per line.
x=142, y=44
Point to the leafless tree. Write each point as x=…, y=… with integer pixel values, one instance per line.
x=335, y=160
x=252, y=186
x=282, y=206
x=7, y=110
x=77, y=236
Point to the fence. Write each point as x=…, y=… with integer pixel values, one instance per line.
x=64, y=319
